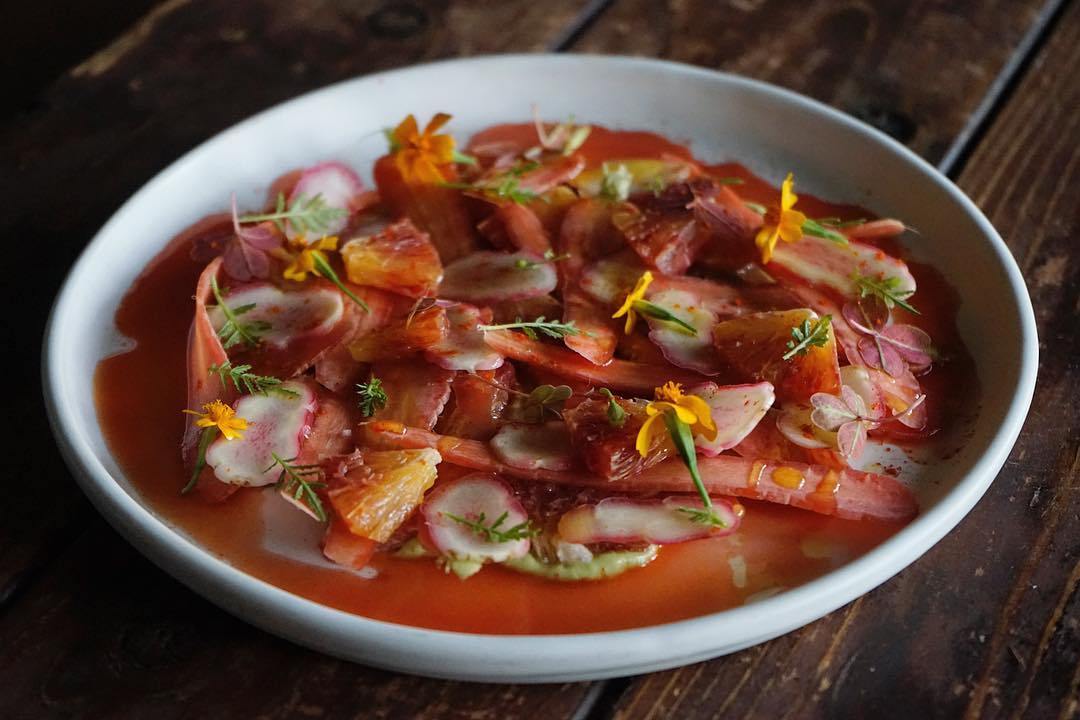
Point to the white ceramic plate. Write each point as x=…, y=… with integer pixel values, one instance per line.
x=724, y=117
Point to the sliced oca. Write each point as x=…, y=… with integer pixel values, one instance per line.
x=527, y=446
x=480, y=498
x=464, y=347
x=289, y=315
x=336, y=185
x=680, y=347
x=625, y=521
x=277, y=425
x=483, y=278
x=736, y=410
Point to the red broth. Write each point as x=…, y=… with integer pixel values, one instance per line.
x=140, y=394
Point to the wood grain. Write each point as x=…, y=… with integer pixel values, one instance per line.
x=987, y=624
x=916, y=70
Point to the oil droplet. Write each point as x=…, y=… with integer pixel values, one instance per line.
x=788, y=477
x=755, y=474
x=824, y=496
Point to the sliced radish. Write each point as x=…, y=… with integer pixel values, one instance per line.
x=822, y=262
x=694, y=352
x=336, y=184
x=464, y=346
x=487, y=277
x=623, y=520
x=203, y=350
x=599, y=332
x=277, y=424
x=736, y=410
x=794, y=423
x=608, y=280
x=311, y=311
x=528, y=446
x=479, y=498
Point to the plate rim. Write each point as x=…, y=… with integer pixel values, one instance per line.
x=568, y=656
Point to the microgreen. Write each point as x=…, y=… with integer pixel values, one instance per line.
x=545, y=399
x=549, y=257
x=372, y=396
x=808, y=335
x=494, y=532
x=307, y=215
x=615, y=414
x=885, y=346
x=551, y=328
x=847, y=416
x=234, y=331
x=244, y=380
x=294, y=480
x=885, y=288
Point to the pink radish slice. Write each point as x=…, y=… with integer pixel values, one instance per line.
x=622, y=520
x=336, y=184
x=607, y=281
x=480, y=498
x=203, y=350
x=736, y=410
x=276, y=424
x=794, y=423
x=487, y=277
x=822, y=262
x=529, y=446
x=464, y=347
x=850, y=494
x=693, y=352
x=313, y=311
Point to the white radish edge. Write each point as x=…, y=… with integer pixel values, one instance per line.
x=463, y=347
x=530, y=446
x=336, y=183
x=276, y=424
x=311, y=311
x=467, y=497
x=736, y=410
x=625, y=520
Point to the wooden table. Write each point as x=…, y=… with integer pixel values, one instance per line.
x=986, y=624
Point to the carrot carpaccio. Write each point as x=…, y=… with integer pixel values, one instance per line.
x=561, y=379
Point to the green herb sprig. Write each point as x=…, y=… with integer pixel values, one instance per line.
x=307, y=215
x=683, y=440
x=295, y=481
x=235, y=331
x=651, y=309
x=494, y=532
x=244, y=380
x=615, y=414
x=807, y=335
x=550, y=328
x=372, y=396
x=886, y=289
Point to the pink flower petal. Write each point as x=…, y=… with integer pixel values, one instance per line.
x=910, y=342
x=881, y=356
x=851, y=439
x=830, y=412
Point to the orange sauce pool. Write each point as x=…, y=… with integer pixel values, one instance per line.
x=140, y=393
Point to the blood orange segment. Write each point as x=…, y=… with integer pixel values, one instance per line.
x=753, y=347
x=607, y=450
x=399, y=258
x=375, y=498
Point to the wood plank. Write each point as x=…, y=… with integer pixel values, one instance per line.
x=987, y=624
x=109, y=635
x=916, y=70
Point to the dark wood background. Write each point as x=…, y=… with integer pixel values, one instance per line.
x=101, y=96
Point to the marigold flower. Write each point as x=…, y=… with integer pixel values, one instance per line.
x=303, y=261
x=691, y=410
x=635, y=295
x=786, y=225
x=223, y=417
x=421, y=156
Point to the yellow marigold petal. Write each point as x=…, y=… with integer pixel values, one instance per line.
x=685, y=414
x=436, y=122
x=670, y=391
x=441, y=149
x=705, y=426
x=407, y=131
x=788, y=198
x=294, y=272
x=645, y=435
x=328, y=242
x=766, y=240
